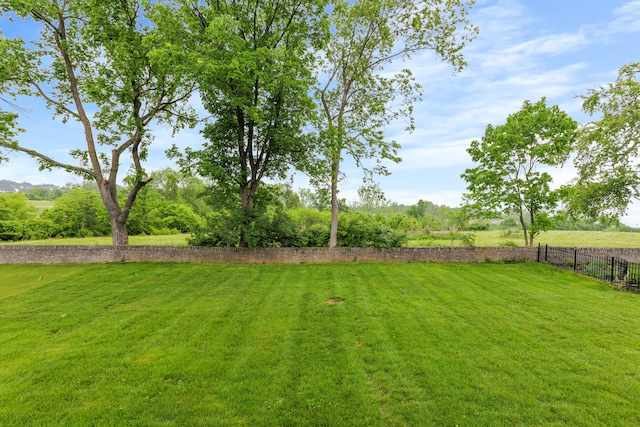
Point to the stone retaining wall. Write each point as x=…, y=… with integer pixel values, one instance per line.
x=44, y=254
x=81, y=254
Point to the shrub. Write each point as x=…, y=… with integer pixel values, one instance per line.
x=363, y=230
x=12, y=230
x=468, y=239
x=316, y=236
x=513, y=260
x=15, y=230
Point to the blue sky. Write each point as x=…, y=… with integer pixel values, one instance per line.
x=525, y=50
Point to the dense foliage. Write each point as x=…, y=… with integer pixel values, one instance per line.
x=173, y=203
x=608, y=149
x=511, y=157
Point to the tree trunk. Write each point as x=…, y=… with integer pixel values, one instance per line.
x=247, y=203
x=119, y=232
x=117, y=216
x=532, y=220
x=333, y=233
x=524, y=230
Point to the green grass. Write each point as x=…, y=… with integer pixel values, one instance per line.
x=40, y=205
x=334, y=344
x=483, y=238
x=553, y=238
x=168, y=240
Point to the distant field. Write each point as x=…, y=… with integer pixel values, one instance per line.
x=40, y=205
x=168, y=240
x=553, y=238
x=483, y=238
x=334, y=344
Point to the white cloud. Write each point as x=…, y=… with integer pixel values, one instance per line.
x=433, y=156
x=628, y=20
x=552, y=44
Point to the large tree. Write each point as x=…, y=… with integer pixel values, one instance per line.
x=358, y=96
x=9, y=129
x=254, y=61
x=508, y=178
x=608, y=159
x=97, y=62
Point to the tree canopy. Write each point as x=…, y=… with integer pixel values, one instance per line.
x=509, y=156
x=119, y=67
x=609, y=149
x=96, y=62
x=356, y=98
x=254, y=62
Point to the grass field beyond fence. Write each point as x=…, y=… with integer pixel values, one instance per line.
x=334, y=344
x=581, y=239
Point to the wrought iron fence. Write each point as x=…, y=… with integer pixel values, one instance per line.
x=604, y=267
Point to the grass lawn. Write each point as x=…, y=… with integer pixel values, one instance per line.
x=581, y=239
x=333, y=344
x=40, y=205
x=168, y=240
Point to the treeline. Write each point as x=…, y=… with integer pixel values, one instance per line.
x=173, y=203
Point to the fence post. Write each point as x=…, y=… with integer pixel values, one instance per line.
x=539, y=244
x=613, y=259
x=546, y=249
x=575, y=259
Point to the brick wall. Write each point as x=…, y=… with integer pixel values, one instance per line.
x=28, y=254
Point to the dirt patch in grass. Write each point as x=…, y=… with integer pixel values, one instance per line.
x=333, y=301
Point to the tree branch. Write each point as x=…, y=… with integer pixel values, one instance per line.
x=49, y=160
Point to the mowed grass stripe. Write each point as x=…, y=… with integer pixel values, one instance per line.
x=334, y=344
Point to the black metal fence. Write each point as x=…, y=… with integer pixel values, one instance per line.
x=604, y=267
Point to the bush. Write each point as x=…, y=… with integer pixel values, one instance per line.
x=468, y=239
x=79, y=212
x=513, y=260
x=363, y=230
x=316, y=236
x=12, y=230
x=174, y=216
x=478, y=226
x=597, y=269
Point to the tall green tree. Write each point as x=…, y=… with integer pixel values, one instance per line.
x=509, y=156
x=254, y=62
x=358, y=96
x=608, y=149
x=97, y=62
x=9, y=129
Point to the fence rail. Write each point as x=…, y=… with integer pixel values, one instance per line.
x=613, y=269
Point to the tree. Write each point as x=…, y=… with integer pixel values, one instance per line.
x=14, y=206
x=178, y=187
x=372, y=197
x=357, y=98
x=79, y=213
x=100, y=57
x=509, y=156
x=609, y=148
x=254, y=64
x=8, y=120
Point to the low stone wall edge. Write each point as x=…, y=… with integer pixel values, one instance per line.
x=68, y=254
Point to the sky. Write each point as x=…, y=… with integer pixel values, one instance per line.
x=526, y=50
